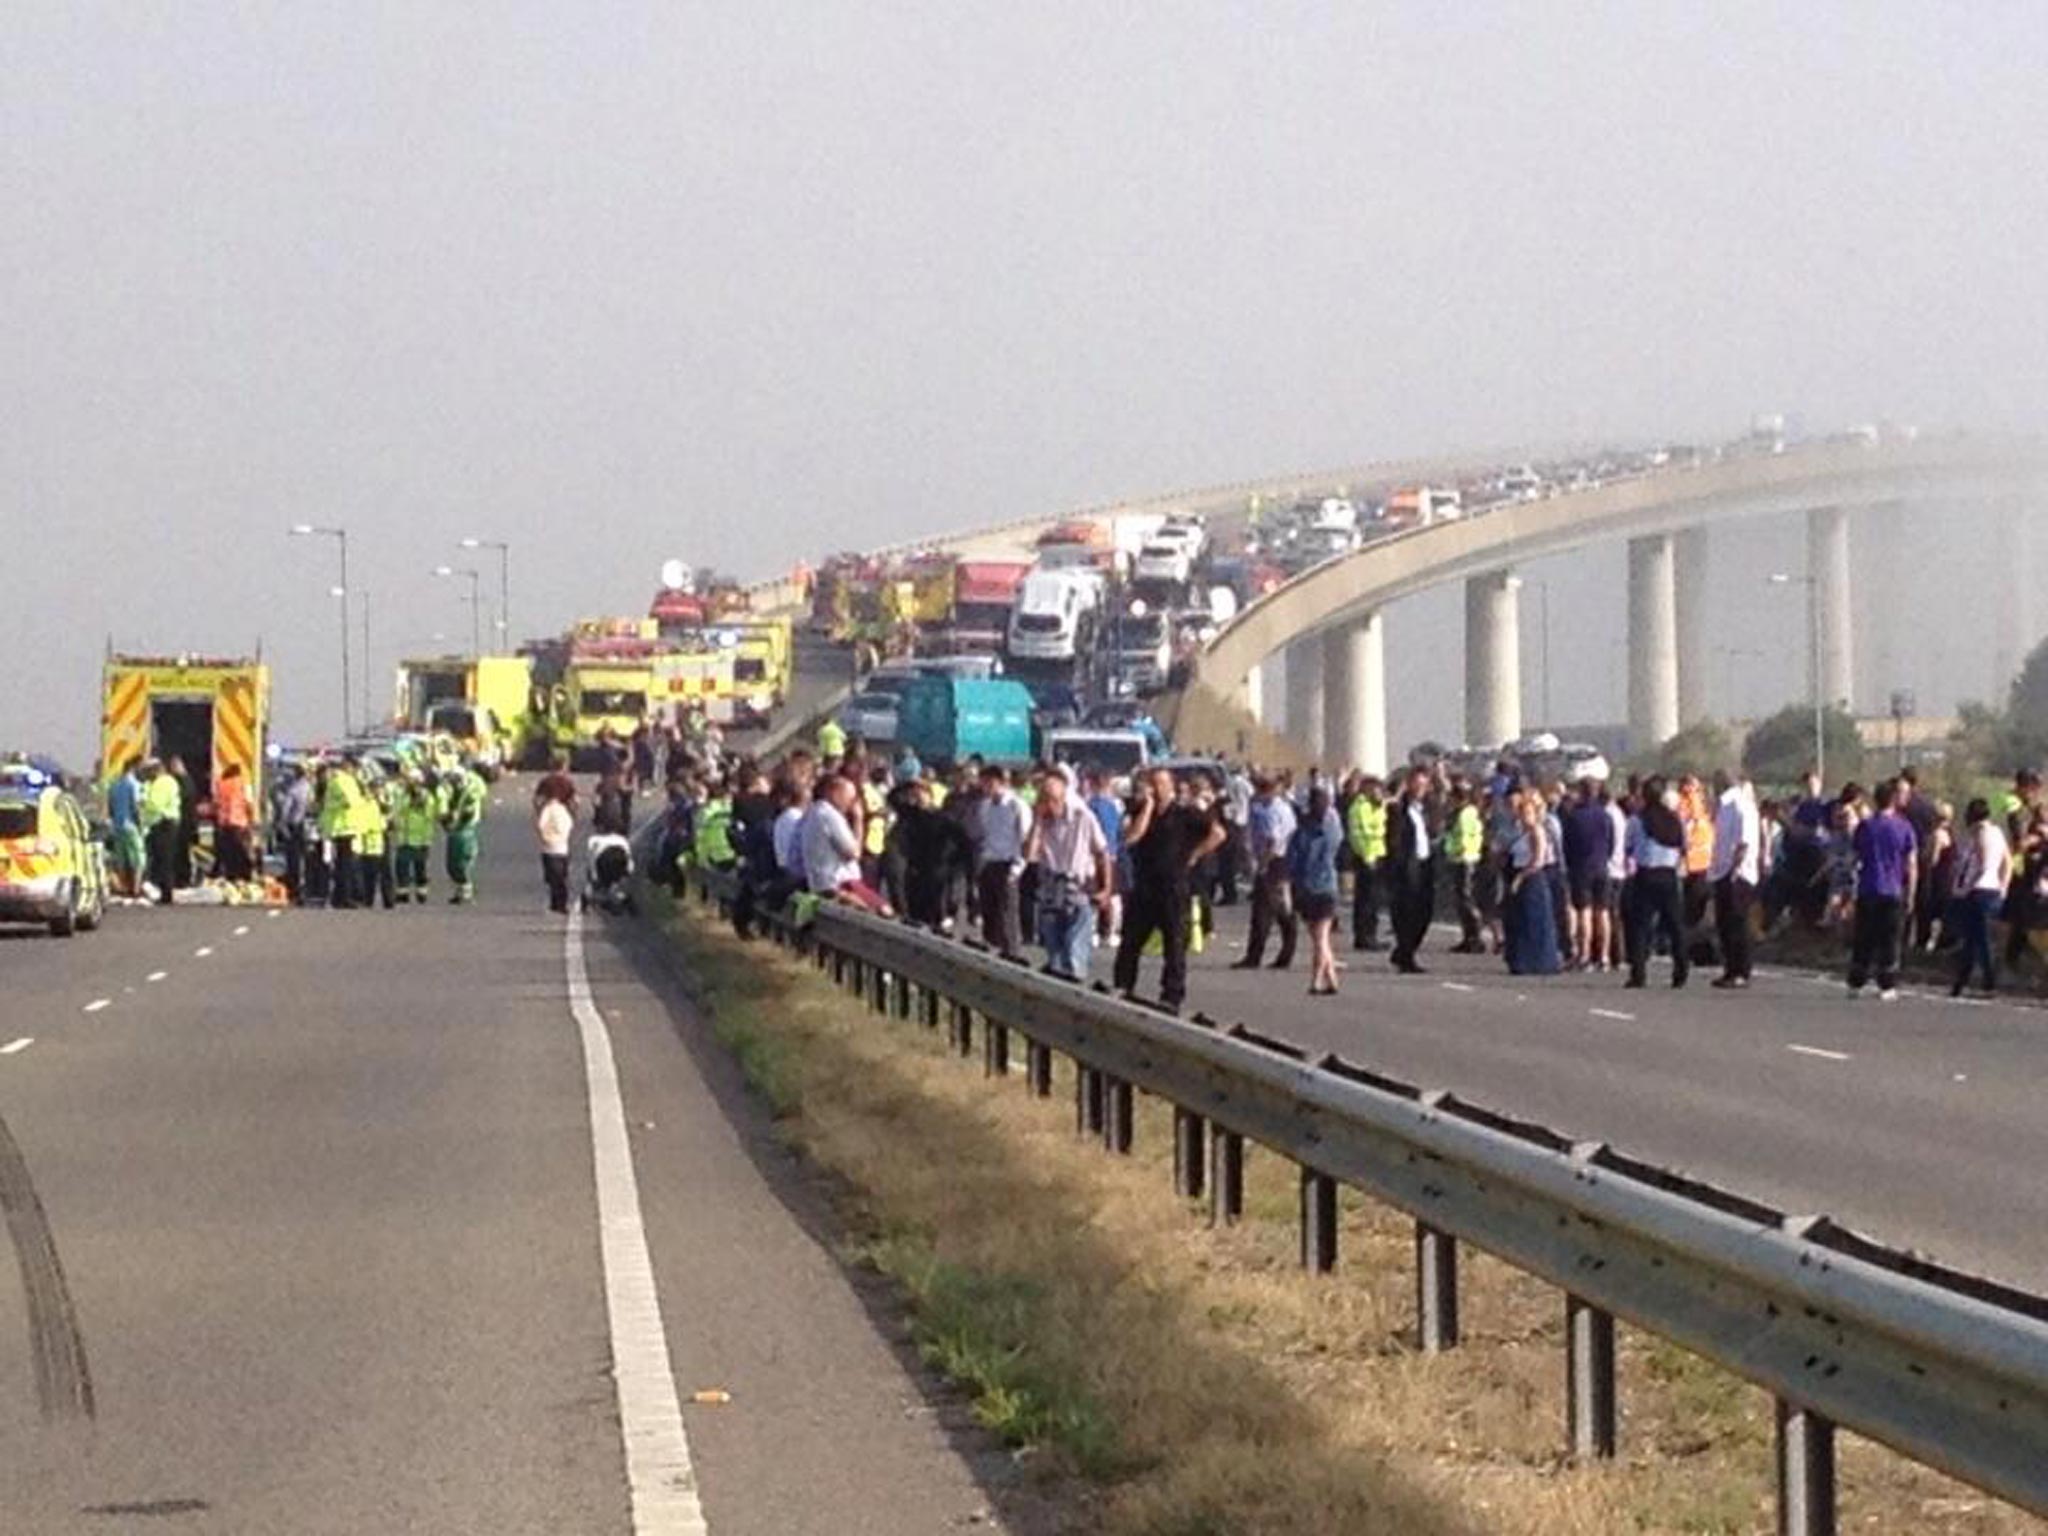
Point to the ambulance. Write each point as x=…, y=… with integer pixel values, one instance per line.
x=209, y=711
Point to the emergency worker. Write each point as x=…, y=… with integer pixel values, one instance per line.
x=712, y=846
x=162, y=808
x=463, y=818
x=341, y=822
x=1464, y=844
x=418, y=811
x=1365, y=831
x=373, y=842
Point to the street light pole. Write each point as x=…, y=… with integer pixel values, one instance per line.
x=1813, y=644
x=367, y=717
x=504, y=550
x=340, y=536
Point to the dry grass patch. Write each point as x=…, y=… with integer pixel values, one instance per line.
x=1195, y=1382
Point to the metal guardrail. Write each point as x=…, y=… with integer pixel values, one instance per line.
x=1945, y=1368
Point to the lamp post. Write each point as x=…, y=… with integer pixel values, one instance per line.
x=475, y=600
x=1813, y=615
x=504, y=586
x=367, y=717
x=340, y=537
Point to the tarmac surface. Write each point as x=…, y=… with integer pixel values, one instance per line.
x=319, y=1191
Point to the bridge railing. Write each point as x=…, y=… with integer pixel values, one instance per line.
x=1945, y=1368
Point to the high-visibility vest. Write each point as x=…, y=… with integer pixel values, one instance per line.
x=418, y=814
x=1699, y=833
x=831, y=739
x=713, y=842
x=338, y=814
x=1365, y=828
x=466, y=800
x=161, y=801
x=876, y=832
x=1465, y=837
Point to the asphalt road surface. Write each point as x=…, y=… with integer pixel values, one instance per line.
x=322, y=1189
x=1918, y=1121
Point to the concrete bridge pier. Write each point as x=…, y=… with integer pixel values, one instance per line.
x=1695, y=644
x=1305, y=695
x=1653, y=655
x=1355, y=695
x=1827, y=563
x=1493, y=659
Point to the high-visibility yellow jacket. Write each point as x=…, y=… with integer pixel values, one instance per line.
x=341, y=807
x=1465, y=837
x=1365, y=828
x=161, y=801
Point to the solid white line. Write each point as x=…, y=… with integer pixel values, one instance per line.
x=202, y=952
x=1814, y=1050
x=13, y=1046
x=1609, y=1013
x=156, y=975
x=658, y=1470
x=1458, y=986
x=98, y=1003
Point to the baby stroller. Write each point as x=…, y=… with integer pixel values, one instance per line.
x=608, y=874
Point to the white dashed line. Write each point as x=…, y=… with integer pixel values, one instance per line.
x=659, y=1475
x=1457, y=986
x=1814, y=1050
x=156, y=975
x=1610, y=1013
x=239, y=932
x=98, y=1003
x=13, y=1047
x=202, y=952
x=275, y=912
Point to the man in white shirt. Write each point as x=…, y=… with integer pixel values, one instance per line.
x=1738, y=838
x=1002, y=824
x=831, y=853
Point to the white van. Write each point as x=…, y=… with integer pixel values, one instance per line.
x=1053, y=609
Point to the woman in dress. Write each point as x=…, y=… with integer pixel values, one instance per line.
x=1531, y=910
x=1312, y=870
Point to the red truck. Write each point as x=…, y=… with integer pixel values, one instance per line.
x=984, y=591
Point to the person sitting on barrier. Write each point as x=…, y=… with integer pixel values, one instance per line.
x=831, y=852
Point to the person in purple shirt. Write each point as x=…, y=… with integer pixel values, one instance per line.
x=1887, y=870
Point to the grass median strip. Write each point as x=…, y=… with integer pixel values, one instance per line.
x=1182, y=1381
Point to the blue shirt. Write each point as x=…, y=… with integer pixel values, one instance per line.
x=124, y=801
x=1270, y=825
x=1588, y=839
x=1312, y=856
x=1111, y=816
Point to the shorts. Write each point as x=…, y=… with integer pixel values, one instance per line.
x=1315, y=906
x=130, y=851
x=1590, y=888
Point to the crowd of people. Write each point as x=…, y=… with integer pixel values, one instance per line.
x=1676, y=872
x=354, y=835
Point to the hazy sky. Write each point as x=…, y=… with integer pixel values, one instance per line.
x=749, y=282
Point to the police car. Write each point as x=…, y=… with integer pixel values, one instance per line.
x=52, y=868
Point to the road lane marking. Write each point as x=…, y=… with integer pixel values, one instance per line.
x=1610, y=1013
x=156, y=975
x=1814, y=1050
x=659, y=1473
x=1458, y=986
x=202, y=952
x=98, y=1003
x=275, y=912
x=14, y=1047
x=241, y=930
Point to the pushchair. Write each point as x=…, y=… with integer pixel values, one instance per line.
x=608, y=874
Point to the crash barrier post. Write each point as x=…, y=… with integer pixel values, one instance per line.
x=1948, y=1369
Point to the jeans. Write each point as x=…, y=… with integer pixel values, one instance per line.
x=1874, y=944
x=1970, y=915
x=1656, y=902
x=554, y=870
x=1066, y=927
x=1272, y=906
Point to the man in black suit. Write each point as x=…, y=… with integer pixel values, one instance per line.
x=1410, y=870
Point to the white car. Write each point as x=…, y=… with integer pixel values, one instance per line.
x=1166, y=562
